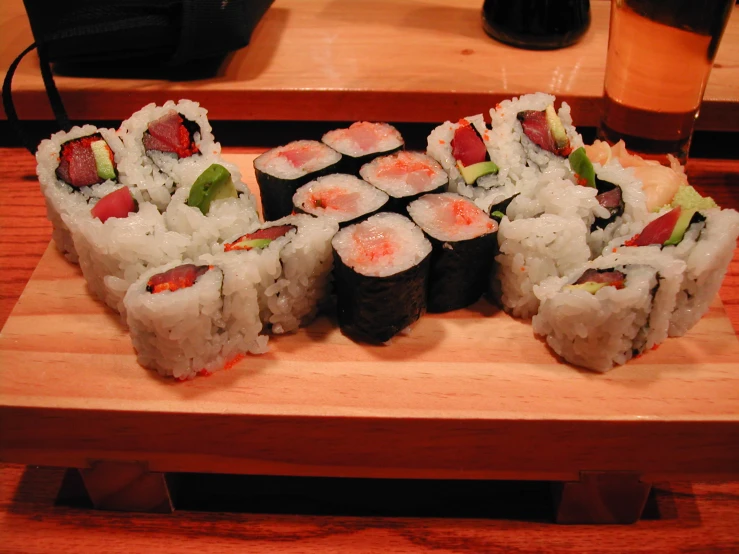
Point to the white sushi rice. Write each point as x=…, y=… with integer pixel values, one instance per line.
x=226, y=218
x=436, y=214
x=608, y=328
x=157, y=174
x=362, y=246
x=363, y=197
x=275, y=163
x=63, y=200
x=178, y=333
x=388, y=138
x=402, y=184
x=112, y=255
x=532, y=250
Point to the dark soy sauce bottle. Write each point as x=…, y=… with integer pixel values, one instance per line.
x=536, y=24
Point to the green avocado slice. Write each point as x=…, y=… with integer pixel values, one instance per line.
x=590, y=286
x=472, y=173
x=103, y=163
x=582, y=166
x=214, y=183
x=678, y=232
x=556, y=128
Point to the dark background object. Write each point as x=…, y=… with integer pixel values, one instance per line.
x=536, y=24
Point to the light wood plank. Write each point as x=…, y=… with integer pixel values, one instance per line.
x=394, y=60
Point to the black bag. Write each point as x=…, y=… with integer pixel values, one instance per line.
x=174, y=39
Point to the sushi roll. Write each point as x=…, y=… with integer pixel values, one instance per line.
x=464, y=242
x=213, y=208
x=114, y=251
x=362, y=142
x=74, y=168
x=405, y=176
x=282, y=170
x=705, y=240
x=290, y=262
x=610, y=310
x=342, y=197
x=461, y=150
x=165, y=146
x=381, y=273
x=531, y=250
x=175, y=317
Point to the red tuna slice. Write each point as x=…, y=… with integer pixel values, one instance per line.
x=610, y=199
x=364, y=134
x=609, y=277
x=467, y=146
x=301, y=154
x=77, y=163
x=169, y=134
x=658, y=231
x=118, y=203
x=268, y=235
x=536, y=127
x=180, y=277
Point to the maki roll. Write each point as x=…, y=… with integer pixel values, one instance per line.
x=381, y=272
x=114, y=251
x=289, y=264
x=166, y=146
x=73, y=169
x=532, y=249
x=610, y=310
x=705, y=241
x=212, y=209
x=282, y=170
x=362, y=142
x=342, y=197
x=175, y=317
x=462, y=151
x=405, y=176
x=464, y=242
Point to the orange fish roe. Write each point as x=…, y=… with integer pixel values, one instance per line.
x=403, y=164
x=186, y=146
x=370, y=248
x=233, y=361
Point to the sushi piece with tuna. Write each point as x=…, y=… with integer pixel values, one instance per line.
x=344, y=198
x=175, y=317
x=705, y=240
x=362, y=142
x=284, y=266
x=462, y=151
x=610, y=310
x=75, y=168
x=282, y=170
x=381, y=273
x=166, y=146
x=464, y=241
x=405, y=176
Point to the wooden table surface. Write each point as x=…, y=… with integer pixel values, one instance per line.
x=391, y=60
x=693, y=516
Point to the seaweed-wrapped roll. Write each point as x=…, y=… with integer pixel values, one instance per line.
x=282, y=170
x=381, y=272
x=342, y=197
x=362, y=142
x=464, y=244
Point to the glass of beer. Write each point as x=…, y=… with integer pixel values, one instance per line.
x=660, y=54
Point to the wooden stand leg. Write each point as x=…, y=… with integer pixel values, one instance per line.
x=127, y=486
x=601, y=497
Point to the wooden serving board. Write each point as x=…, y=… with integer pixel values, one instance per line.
x=470, y=394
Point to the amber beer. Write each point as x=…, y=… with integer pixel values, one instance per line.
x=660, y=54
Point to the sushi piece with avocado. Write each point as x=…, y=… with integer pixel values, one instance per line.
x=75, y=169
